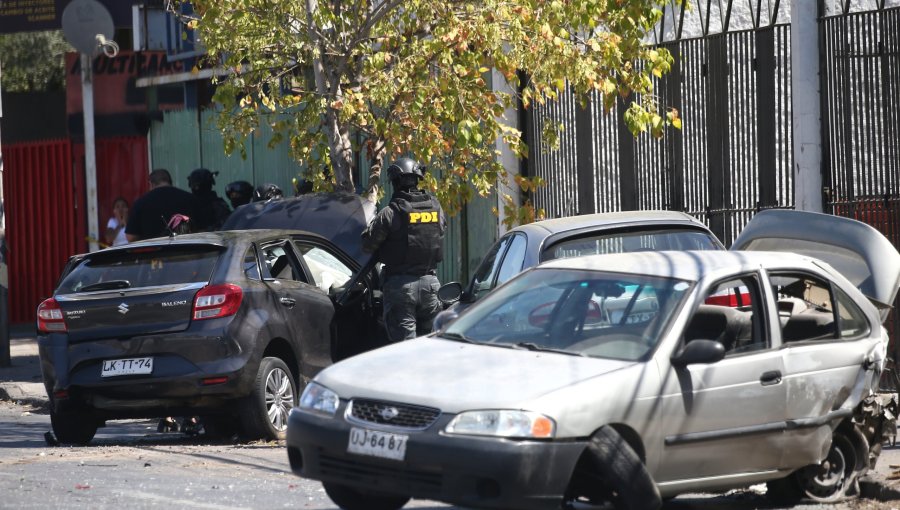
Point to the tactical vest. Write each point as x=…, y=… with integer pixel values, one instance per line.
x=415, y=247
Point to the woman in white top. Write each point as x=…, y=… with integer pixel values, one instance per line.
x=115, y=227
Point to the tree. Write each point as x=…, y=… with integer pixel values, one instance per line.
x=391, y=77
x=33, y=61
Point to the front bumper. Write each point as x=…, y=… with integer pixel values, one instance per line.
x=181, y=362
x=462, y=470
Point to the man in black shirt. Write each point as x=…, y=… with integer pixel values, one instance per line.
x=407, y=236
x=150, y=214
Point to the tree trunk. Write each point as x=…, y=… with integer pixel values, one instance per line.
x=376, y=163
x=338, y=143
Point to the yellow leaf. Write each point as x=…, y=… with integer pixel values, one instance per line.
x=676, y=123
x=483, y=70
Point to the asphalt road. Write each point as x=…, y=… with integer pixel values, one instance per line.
x=131, y=465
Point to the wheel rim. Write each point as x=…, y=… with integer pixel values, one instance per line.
x=279, y=398
x=829, y=480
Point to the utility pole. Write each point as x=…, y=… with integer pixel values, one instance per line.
x=805, y=105
x=4, y=271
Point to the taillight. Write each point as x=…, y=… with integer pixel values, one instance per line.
x=215, y=301
x=50, y=317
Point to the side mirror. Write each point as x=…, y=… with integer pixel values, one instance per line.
x=699, y=352
x=450, y=293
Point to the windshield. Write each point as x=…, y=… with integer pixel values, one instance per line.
x=141, y=267
x=588, y=313
x=675, y=239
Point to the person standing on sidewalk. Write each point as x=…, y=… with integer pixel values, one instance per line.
x=150, y=215
x=115, y=227
x=407, y=237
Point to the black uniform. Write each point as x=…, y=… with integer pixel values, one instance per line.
x=407, y=237
x=212, y=211
x=150, y=214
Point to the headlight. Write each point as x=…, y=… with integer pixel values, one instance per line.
x=319, y=399
x=503, y=424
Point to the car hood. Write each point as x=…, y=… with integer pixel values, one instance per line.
x=454, y=377
x=339, y=217
x=858, y=251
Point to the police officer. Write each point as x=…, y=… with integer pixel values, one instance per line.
x=239, y=193
x=212, y=211
x=406, y=236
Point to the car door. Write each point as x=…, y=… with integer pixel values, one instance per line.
x=725, y=418
x=305, y=309
x=828, y=345
x=356, y=324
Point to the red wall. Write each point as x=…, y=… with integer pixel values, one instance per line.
x=45, y=204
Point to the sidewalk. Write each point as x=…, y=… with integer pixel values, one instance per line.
x=21, y=382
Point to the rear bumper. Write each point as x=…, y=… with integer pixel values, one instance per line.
x=462, y=470
x=181, y=364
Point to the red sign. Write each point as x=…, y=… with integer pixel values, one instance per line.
x=114, y=81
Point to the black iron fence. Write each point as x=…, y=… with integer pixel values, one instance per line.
x=861, y=120
x=732, y=157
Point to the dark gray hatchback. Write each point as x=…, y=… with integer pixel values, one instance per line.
x=226, y=325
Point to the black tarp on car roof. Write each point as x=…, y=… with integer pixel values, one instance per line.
x=339, y=217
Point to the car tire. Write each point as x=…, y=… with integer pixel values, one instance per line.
x=349, y=498
x=835, y=478
x=73, y=427
x=264, y=412
x=611, y=459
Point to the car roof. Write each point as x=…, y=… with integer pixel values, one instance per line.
x=617, y=219
x=685, y=265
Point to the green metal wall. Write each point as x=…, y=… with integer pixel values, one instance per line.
x=189, y=139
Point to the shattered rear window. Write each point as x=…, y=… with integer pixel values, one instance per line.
x=141, y=267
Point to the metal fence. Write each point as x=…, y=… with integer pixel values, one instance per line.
x=861, y=120
x=732, y=157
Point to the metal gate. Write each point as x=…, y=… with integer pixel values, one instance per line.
x=861, y=120
x=41, y=225
x=731, y=159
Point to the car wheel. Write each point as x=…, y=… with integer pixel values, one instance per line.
x=617, y=473
x=265, y=411
x=834, y=478
x=349, y=498
x=73, y=427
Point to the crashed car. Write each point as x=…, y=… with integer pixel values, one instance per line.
x=225, y=325
x=612, y=232
x=624, y=379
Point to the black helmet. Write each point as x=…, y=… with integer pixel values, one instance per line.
x=239, y=193
x=403, y=167
x=267, y=191
x=201, y=179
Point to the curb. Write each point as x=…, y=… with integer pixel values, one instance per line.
x=11, y=393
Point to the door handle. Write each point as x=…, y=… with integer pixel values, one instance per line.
x=288, y=302
x=770, y=377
